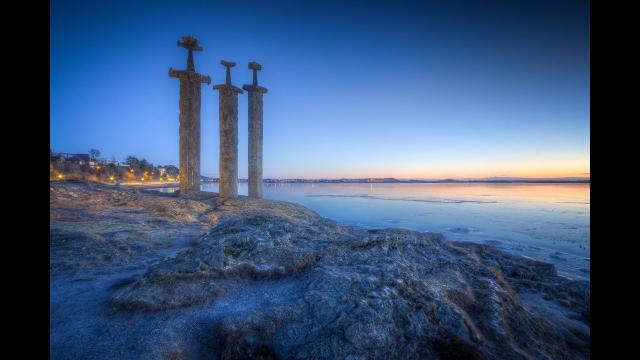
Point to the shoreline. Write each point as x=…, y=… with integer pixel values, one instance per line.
x=149, y=185
x=138, y=184
x=348, y=181
x=240, y=277
x=565, y=254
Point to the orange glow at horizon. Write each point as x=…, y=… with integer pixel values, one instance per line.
x=578, y=168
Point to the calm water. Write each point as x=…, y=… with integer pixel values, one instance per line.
x=548, y=222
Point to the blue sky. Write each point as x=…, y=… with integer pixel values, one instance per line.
x=356, y=88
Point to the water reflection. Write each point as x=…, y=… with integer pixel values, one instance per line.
x=167, y=189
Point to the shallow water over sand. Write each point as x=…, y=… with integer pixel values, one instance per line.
x=548, y=222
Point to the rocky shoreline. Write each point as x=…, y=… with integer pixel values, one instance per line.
x=142, y=274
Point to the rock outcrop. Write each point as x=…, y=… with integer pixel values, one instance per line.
x=307, y=287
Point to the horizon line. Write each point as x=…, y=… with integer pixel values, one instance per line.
x=489, y=178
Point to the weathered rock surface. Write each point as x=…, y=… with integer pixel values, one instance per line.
x=306, y=287
x=93, y=224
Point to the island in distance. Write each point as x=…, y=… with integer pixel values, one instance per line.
x=138, y=273
x=394, y=180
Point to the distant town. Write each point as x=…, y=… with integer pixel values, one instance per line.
x=90, y=166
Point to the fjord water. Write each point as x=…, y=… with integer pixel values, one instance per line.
x=547, y=222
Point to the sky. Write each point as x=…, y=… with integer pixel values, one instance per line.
x=447, y=89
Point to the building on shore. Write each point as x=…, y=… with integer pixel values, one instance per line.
x=80, y=159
